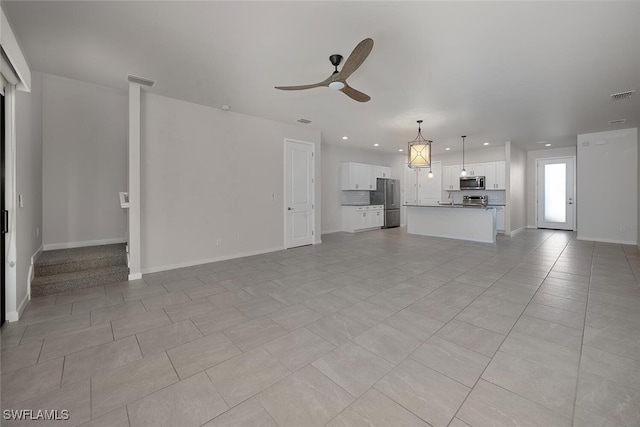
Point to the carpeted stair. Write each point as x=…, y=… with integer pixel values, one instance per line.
x=68, y=269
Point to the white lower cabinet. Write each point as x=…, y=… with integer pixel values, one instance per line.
x=358, y=218
x=500, y=218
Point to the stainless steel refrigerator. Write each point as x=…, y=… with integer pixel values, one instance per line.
x=388, y=194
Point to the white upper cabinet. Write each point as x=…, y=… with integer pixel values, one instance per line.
x=382, y=172
x=419, y=189
x=370, y=179
x=451, y=177
x=352, y=176
x=494, y=173
x=495, y=176
x=358, y=176
x=476, y=169
x=430, y=189
x=410, y=186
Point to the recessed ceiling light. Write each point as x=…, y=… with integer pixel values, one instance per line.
x=447, y=149
x=400, y=149
x=486, y=143
x=547, y=145
x=376, y=145
x=345, y=137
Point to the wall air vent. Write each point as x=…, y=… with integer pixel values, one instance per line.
x=617, y=121
x=622, y=95
x=141, y=80
x=305, y=121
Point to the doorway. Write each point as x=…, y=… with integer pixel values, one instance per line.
x=4, y=217
x=299, y=193
x=556, y=193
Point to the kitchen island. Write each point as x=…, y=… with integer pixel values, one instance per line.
x=475, y=223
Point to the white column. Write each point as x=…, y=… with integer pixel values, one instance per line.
x=134, y=182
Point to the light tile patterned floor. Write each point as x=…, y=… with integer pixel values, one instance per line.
x=377, y=328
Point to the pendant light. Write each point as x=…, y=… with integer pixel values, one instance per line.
x=463, y=172
x=419, y=151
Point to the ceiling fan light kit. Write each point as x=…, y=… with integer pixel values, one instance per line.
x=338, y=79
x=420, y=151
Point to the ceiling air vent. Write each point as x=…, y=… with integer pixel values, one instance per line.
x=617, y=121
x=305, y=121
x=622, y=95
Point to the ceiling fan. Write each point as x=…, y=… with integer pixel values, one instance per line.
x=338, y=80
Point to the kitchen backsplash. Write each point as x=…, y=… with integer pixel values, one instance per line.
x=495, y=197
x=352, y=197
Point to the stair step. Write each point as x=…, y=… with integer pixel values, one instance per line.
x=57, y=283
x=77, y=259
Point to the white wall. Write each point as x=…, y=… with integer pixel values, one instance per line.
x=478, y=155
x=28, y=182
x=332, y=158
x=517, y=187
x=207, y=174
x=84, y=162
x=532, y=158
x=608, y=186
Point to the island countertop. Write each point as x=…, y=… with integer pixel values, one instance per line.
x=456, y=205
x=474, y=223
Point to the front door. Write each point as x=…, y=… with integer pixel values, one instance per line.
x=556, y=193
x=299, y=196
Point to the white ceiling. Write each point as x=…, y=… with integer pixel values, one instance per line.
x=504, y=71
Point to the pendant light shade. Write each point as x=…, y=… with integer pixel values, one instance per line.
x=463, y=172
x=419, y=151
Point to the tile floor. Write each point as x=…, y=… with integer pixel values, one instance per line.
x=376, y=329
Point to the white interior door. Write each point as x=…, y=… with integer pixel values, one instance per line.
x=299, y=198
x=556, y=193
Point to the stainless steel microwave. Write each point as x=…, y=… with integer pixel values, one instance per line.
x=472, y=183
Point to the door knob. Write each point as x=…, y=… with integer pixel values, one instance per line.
x=289, y=208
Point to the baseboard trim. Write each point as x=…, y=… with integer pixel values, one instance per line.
x=209, y=260
x=31, y=271
x=14, y=316
x=135, y=276
x=71, y=245
x=514, y=232
x=331, y=231
x=596, y=239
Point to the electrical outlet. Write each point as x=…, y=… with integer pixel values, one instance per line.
x=274, y=197
x=219, y=242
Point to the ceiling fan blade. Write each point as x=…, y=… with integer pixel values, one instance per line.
x=311, y=86
x=357, y=57
x=355, y=94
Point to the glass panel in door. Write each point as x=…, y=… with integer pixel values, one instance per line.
x=555, y=199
